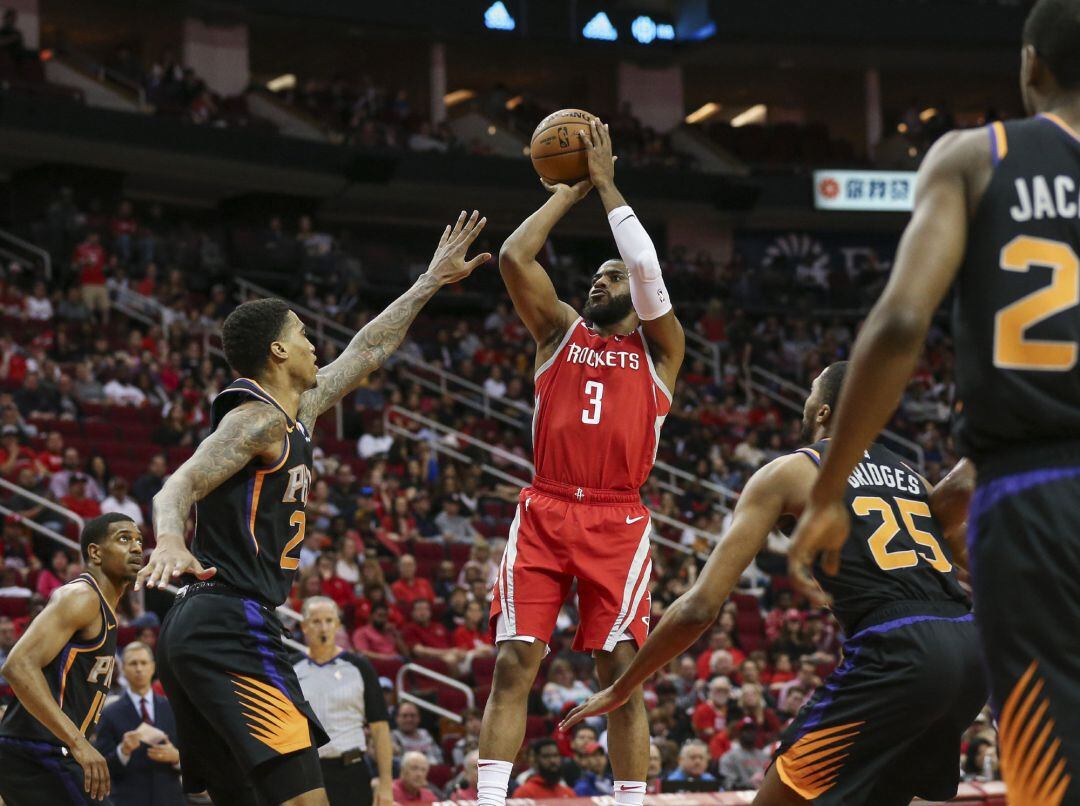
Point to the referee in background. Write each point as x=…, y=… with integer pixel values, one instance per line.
x=344, y=690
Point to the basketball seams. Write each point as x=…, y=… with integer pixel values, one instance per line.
x=560, y=154
x=558, y=126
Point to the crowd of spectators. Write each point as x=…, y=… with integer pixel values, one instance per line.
x=97, y=407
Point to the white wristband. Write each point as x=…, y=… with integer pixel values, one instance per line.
x=647, y=290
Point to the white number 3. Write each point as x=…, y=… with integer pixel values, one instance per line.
x=596, y=389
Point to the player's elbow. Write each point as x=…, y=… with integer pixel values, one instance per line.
x=899, y=324
x=15, y=669
x=699, y=610
x=510, y=257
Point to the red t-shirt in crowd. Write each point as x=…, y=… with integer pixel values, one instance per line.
x=434, y=635
x=123, y=226
x=53, y=462
x=536, y=788
x=708, y=719
x=339, y=590
x=425, y=795
x=84, y=507
x=719, y=744
x=368, y=639
x=26, y=459
x=406, y=593
x=362, y=612
x=705, y=659
x=470, y=639
x=90, y=258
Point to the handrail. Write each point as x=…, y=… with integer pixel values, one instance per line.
x=463, y=437
x=423, y=671
x=914, y=449
x=46, y=259
x=45, y=502
x=91, y=68
x=522, y=482
x=697, y=346
x=51, y=534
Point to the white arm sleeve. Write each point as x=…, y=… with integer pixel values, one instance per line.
x=647, y=290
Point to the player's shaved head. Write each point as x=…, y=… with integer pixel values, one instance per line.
x=824, y=395
x=1053, y=30
x=830, y=383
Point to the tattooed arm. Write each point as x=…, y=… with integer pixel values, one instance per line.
x=384, y=334
x=250, y=431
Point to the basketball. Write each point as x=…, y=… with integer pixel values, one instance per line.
x=557, y=150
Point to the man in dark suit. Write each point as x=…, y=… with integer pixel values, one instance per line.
x=137, y=736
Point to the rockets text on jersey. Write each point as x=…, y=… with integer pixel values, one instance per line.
x=599, y=409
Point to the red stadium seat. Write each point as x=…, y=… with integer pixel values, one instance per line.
x=746, y=603
x=537, y=726
x=13, y=606
x=427, y=550
x=483, y=670
x=452, y=699
x=387, y=667
x=434, y=664
x=440, y=774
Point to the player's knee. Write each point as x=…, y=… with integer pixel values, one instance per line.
x=515, y=669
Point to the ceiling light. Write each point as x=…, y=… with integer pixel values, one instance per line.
x=458, y=96
x=286, y=81
x=753, y=115
x=703, y=113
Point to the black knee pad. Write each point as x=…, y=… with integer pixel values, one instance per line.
x=283, y=778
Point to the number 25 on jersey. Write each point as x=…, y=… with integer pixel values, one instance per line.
x=892, y=559
x=594, y=391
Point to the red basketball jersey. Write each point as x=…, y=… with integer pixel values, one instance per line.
x=599, y=409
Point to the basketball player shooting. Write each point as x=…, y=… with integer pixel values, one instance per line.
x=246, y=732
x=604, y=381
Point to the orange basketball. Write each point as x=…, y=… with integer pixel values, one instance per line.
x=557, y=150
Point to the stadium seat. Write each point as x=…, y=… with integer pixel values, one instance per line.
x=13, y=606
x=537, y=726
x=387, y=667
x=483, y=671
x=440, y=774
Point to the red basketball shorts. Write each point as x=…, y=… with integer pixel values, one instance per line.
x=561, y=534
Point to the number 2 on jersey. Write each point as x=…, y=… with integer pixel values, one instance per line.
x=594, y=390
x=1012, y=348
x=299, y=520
x=879, y=541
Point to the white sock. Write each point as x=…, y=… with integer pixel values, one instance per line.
x=494, y=781
x=629, y=793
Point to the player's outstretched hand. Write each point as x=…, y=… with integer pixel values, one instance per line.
x=448, y=264
x=602, y=702
x=168, y=562
x=821, y=532
x=95, y=769
x=598, y=146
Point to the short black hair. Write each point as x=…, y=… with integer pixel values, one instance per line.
x=95, y=531
x=1053, y=29
x=540, y=744
x=249, y=331
x=832, y=380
